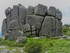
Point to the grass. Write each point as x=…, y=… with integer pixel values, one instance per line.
x=51, y=45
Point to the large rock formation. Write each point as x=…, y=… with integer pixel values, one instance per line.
x=33, y=21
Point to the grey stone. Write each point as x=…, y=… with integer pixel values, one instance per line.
x=58, y=27
x=5, y=51
x=41, y=37
x=46, y=51
x=30, y=10
x=3, y=47
x=21, y=40
x=8, y=11
x=14, y=12
x=33, y=19
x=4, y=26
x=36, y=37
x=68, y=38
x=28, y=34
x=33, y=27
x=51, y=27
x=14, y=24
x=9, y=36
x=48, y=26
x=22, y=14
x=14, y=34
x=8, y=20
x=58, y=14
x=27, y=30
x=26, y=27
x=34, y=22
x=40, y=10
x=52, y=11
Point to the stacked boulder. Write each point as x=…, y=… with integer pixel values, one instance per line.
x=33, y=21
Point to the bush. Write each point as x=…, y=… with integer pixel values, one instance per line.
x=33, y=47
x=68, y=33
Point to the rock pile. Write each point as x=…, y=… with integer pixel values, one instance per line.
x=33, y=21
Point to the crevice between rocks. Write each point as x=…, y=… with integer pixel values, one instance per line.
x=41, y=26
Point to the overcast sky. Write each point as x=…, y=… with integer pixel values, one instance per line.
x=63, y=5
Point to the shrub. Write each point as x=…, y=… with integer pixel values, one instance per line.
x=33, y=47
x=68, y=33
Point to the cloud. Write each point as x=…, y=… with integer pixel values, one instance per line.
x=66, y=20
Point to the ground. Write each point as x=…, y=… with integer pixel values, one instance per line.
x=49, y=45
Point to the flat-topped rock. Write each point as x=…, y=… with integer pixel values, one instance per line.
x=33, y=19
x=40, y=10
x=52, y=11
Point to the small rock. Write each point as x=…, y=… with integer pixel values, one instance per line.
x=36, y=37
x=68, y=38
x=2, y=46
x=5, y=51
x=21, y=40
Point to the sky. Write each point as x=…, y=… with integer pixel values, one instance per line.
x=63, y=5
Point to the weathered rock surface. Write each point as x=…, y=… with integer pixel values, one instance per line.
x=13, y=34
x=14, y=12
x=48, y=26
x=58, y=14
x=40, y=10
x=4, y=27
x=22, y=14
x=58, y=27
x=31, y=21
x=52, y=11
x=26, y=27
x=14, y=24
x=51, y=27
x=8, y=11
x=30, y=10
x=35, y=21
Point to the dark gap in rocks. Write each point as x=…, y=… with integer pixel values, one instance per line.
x=40, y=15
x=51, y=15
x=18, y=19
x=31, y=29
x=41, y=26
x=36, y=32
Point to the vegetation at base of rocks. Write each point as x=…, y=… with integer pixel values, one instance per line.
x=66, y=29
x=49, y=45
x=33, y=47
x=10, y=43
